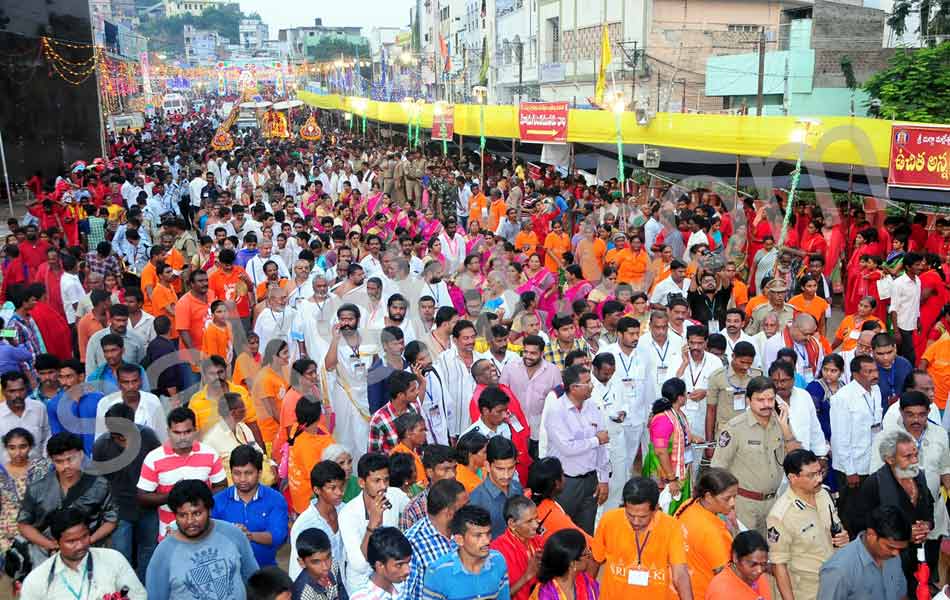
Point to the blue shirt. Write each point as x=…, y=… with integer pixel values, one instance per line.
x=851, y=574
x=105, y=380
x=488, y=496
x=11, y=357
x=428, y=546
x=892, y=381
x=77, y=417
x=267, y=511
x=447, y=579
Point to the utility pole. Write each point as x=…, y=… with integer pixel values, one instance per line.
x=759, y=98
x=633, y=83
x=520, y=76
x=659, y=81
x=683, y=101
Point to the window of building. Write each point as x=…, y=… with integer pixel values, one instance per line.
x=554, y=40
x=744, y=28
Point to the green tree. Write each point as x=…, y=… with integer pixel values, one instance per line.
x=167, y=34
x=332, y=47
x=915, y=87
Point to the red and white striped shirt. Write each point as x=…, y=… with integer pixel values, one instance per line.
x=163, y=468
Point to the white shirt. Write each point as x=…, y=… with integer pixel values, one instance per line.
x=272, y=324
x=255, y=268
x=503, y=430
x=145, y=327
x=731, y=345
x=110, y=572
x=499, y=364
x=627, y=384
x=149, y=413
x=666, y=288
x=72, y=292
x=804, y=422
x=905, y=301
x=194, y=189
x=892, y=416
x=854, y=411
x=352, y=524
x=311, y=517
x=372, y=267
x=696, y=377
x=458, y=388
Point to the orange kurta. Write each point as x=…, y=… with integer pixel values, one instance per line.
x=709, y=543
x=149, y=278
x=815, y=307
x=526, y=242
x=268, y=384
x=727, y=586
x=163, y=297
x=633, y=270
x=467, y=477
x=304, y=454
x=477, y=207
x=850, y=330
x=217, y=341
x=937, y=356
x=614, y=543
x=421, y=477
x=555, y=519
x=557, y=245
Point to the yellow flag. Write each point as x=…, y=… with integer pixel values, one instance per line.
x=602, y=72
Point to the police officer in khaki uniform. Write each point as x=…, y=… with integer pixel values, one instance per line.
x=803, y=528
x=752, y=446
x=725, y=393
x=415, y=169
x=399, y=181
x=775, y=290
x=388, y=165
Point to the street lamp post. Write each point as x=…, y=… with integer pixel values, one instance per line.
x=617, y=104
x=481, y=95
x=408, y=105
x=420, y=104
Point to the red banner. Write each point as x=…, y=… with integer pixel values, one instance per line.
x=543, y=122
x=443, y=126
x=920, y=157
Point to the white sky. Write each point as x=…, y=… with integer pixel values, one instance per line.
x=283, y=14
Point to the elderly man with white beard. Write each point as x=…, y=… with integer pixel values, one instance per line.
x=900, y=482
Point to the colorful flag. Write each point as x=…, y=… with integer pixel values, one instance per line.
x=602, y=72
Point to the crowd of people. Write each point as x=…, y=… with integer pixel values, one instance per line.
x=434, y=384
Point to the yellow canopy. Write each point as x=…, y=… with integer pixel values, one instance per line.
x=843, y=140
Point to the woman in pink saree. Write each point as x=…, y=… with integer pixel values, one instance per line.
x=575, y=288
x=429, y=226
x=542, y=282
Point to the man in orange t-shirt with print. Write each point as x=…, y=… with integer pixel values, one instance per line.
x=477, y=207
x=642, y=547
x=232, y=284
x=191, y=315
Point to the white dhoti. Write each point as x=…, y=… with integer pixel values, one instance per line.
x=350, y=402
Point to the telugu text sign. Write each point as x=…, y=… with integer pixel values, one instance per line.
x=543, y=122
x=443, y=125
x=920, y=157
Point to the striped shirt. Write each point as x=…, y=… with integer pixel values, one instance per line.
x=163, y=468
x=447, y=579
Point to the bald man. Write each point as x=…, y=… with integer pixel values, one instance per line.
x=800, y=334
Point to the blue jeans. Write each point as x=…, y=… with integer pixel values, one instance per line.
x=140, y=535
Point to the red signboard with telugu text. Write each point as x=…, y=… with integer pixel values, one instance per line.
x=543, y=122
x=443, y=125
x=920, y=157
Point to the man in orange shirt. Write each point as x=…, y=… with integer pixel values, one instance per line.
x=149, y=277
x=643, y=548
x=477, y=206
x=164, y=297
x=936, y=361
x=191, y=313
x=496, y=211
x=556, y=244
x=174, y=259
x=94, y=320
x=232, y=284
